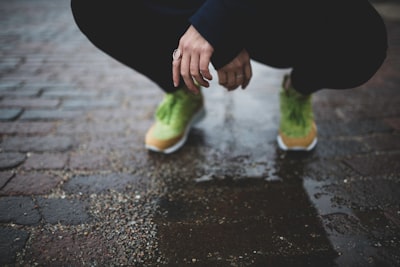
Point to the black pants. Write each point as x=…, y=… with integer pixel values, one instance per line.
x=338, y=45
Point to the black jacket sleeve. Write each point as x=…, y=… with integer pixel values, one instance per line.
x=223, y=24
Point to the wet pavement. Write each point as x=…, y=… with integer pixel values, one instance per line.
x=77, y=187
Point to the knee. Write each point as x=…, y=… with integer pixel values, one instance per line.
x=82, y=15
x=364, y=56
x=78, y=13
x=369, y=57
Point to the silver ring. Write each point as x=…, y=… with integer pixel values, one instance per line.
x=176, y=54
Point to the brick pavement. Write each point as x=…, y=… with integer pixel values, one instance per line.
x=78, y=188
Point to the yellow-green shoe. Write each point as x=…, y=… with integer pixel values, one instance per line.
x=175, y=116
x=297, y=128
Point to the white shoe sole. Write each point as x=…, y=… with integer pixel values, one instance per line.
x=282, y=145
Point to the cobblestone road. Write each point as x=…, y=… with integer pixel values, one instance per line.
x=77, y=187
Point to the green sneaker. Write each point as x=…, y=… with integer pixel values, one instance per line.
x=175, y=116
x=297, y=129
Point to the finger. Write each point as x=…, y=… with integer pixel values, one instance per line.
x=239, y=80
x=245, y=84
x=176, y=76
x=204, y=65
x=247, y=76
x=185, y=73
x=222, y=78
x=176, y=63
x=195, y=71
x=231, y=84
x=232, y=88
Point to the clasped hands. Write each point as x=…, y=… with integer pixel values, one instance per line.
x=192, y=59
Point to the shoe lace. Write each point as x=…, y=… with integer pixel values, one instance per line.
x=171, y=103
x=298, y=109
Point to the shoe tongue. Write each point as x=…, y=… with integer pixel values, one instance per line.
x=299, y=110
x=297, y=115
x=164, y=112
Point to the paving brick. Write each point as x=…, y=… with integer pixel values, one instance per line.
x=330, y=148
x=122, y=114
x=89, y=103
x=383, y=142
x=89, y=184
x=9, y=85
x=38, y=144
x=68, y=93
x=64, y=211
x=99, y=127
x=19, y=127
x=109, y=141
x=5, y=176
x=31, y=184
x=394, y=123
x=53, y=161
x=10, y=113
x=365, y=194
x=352, y=128
x=29, y=103
x=373, y=165
x=11, y=160
x=7, y=66
x=56, y=85
x=67, y=248
x=19, y=210
x=19, y=93
x=89, y=161
x=50, y=115
x=11, y=242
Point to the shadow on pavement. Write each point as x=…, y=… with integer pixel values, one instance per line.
x=238, y=211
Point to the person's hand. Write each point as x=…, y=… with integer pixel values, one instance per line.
x=236, y=73
x=191, y=60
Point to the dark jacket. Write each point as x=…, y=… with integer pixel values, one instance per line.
x=220, y=22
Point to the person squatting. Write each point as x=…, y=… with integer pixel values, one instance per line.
x=326, y=45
